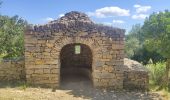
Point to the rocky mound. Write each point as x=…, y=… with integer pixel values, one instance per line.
x=131, y=65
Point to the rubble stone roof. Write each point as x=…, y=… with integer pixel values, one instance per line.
x=75, y=20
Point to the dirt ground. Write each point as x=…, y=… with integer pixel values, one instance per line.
x=72, y=88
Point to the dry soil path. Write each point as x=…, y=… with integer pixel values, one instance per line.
x=73, y=88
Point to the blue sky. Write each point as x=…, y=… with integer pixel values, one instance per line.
x=117, y=13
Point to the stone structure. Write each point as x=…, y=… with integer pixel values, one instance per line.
x=74, y=44
x=11, y=70
x=135, y=75
x=48, y=49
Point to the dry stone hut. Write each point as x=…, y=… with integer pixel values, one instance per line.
x=74, y=44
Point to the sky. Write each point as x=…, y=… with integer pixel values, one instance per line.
x=116, y=13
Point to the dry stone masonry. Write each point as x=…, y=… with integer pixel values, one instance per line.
x=12, y=70
x=44, y=44
x=50, y=51
x=135, y=75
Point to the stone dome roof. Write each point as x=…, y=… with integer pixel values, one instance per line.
x=75, y=20
x=72, y=17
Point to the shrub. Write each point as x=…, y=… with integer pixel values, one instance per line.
x=157, y=72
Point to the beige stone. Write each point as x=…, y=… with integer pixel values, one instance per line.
x=46, y=71
x=30, y=71
x=39, y=62
x=49, y=45
x=38, y=71
x=54, y=70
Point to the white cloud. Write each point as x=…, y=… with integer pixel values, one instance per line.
x=107, y=23
x=142, y=9
x=61, y=15
x=139, y=16
x=118, y=21
x=137, y=6
x=48, y=19
x=98, y=15
x=109, y=12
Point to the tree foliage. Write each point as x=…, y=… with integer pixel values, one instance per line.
x=156, y=30
x=133, y=41
x=136, y=49
x=157, y=33
x=11, y=36
x=151, y=41
x=132, y=46
x=136, y=32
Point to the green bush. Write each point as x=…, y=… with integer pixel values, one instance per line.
x=157, y=72
x=12, y=36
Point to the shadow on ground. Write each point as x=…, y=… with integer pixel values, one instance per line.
x=80, y=86
x=11, y=84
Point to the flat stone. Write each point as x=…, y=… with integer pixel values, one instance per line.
x=38, y=71
x=99, y=63
x=103, y=75
x=46, y=70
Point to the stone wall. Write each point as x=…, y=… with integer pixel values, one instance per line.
x=135, y=75
x=44, y=43
x=12, y=70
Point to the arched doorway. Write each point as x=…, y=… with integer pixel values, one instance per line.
x=76, y=63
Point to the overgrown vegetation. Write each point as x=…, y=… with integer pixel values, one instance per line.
x=157, y=73
x=11, y=36
x=135, y=47
x=157, y=77
x=151, y=41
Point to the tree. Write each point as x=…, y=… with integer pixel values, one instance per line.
x=133, y=41
x=131, y=46
x=12, y=36
x=156, y=30
x=143, y=55
x=136, y=32
x=135, y=48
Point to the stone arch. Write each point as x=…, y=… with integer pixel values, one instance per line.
x=89, y=42
x=75, y=64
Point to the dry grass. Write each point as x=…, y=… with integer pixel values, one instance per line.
x=35, y=94
x=72, y=91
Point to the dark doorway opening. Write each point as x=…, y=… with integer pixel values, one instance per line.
x=76, y=64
